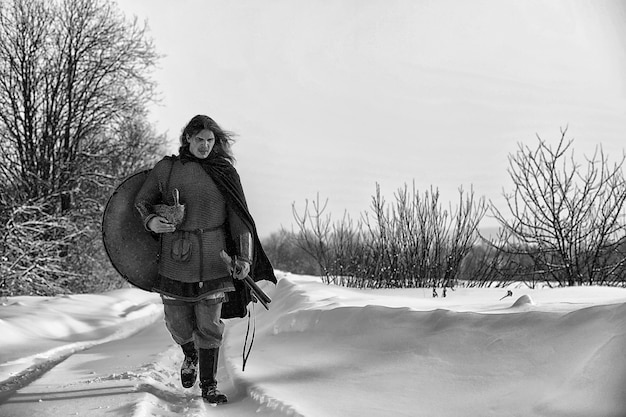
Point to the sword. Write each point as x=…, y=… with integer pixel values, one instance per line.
x=257, y=292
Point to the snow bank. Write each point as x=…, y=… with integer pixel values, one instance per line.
x=338, y=352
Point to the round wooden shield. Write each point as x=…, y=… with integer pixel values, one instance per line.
x=133, y=250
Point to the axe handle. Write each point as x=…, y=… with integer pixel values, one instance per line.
x=254, y=288
x=258, y=292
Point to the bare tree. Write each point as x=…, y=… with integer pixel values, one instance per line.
x=70, y=70
x=565, y=216
x=74, y=86
x=314, y=227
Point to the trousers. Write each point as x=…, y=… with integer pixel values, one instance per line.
x=197, y=321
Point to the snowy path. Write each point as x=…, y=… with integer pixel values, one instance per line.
x=135, y=376
x=94, y=381
x=132, y=376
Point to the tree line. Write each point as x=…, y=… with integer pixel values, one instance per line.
x=563, y=225
x=75, y=82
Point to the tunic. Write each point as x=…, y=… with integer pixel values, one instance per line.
x=207, y=225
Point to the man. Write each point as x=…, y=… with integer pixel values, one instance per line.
x=194, y=282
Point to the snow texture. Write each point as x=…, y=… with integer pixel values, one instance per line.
x=326, y=351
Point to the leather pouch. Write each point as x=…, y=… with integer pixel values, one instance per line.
x=181, y=248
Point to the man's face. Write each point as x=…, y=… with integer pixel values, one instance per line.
x=201, y=144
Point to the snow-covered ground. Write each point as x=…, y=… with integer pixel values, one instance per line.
x=327, y=351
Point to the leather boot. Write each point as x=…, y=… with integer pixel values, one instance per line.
x=208, y=377
x=189, y=368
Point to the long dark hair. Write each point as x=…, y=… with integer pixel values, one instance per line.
x=223, y=138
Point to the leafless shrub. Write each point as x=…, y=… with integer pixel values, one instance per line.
x=413, y=243
x=47, y=254
x=565, y=224
x=313, y=232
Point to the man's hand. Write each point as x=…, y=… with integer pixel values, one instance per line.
x=241, y=269
x=160, y=224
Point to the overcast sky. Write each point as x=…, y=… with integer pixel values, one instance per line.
x=334, y=96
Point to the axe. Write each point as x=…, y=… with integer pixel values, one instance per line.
x=257, y=292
